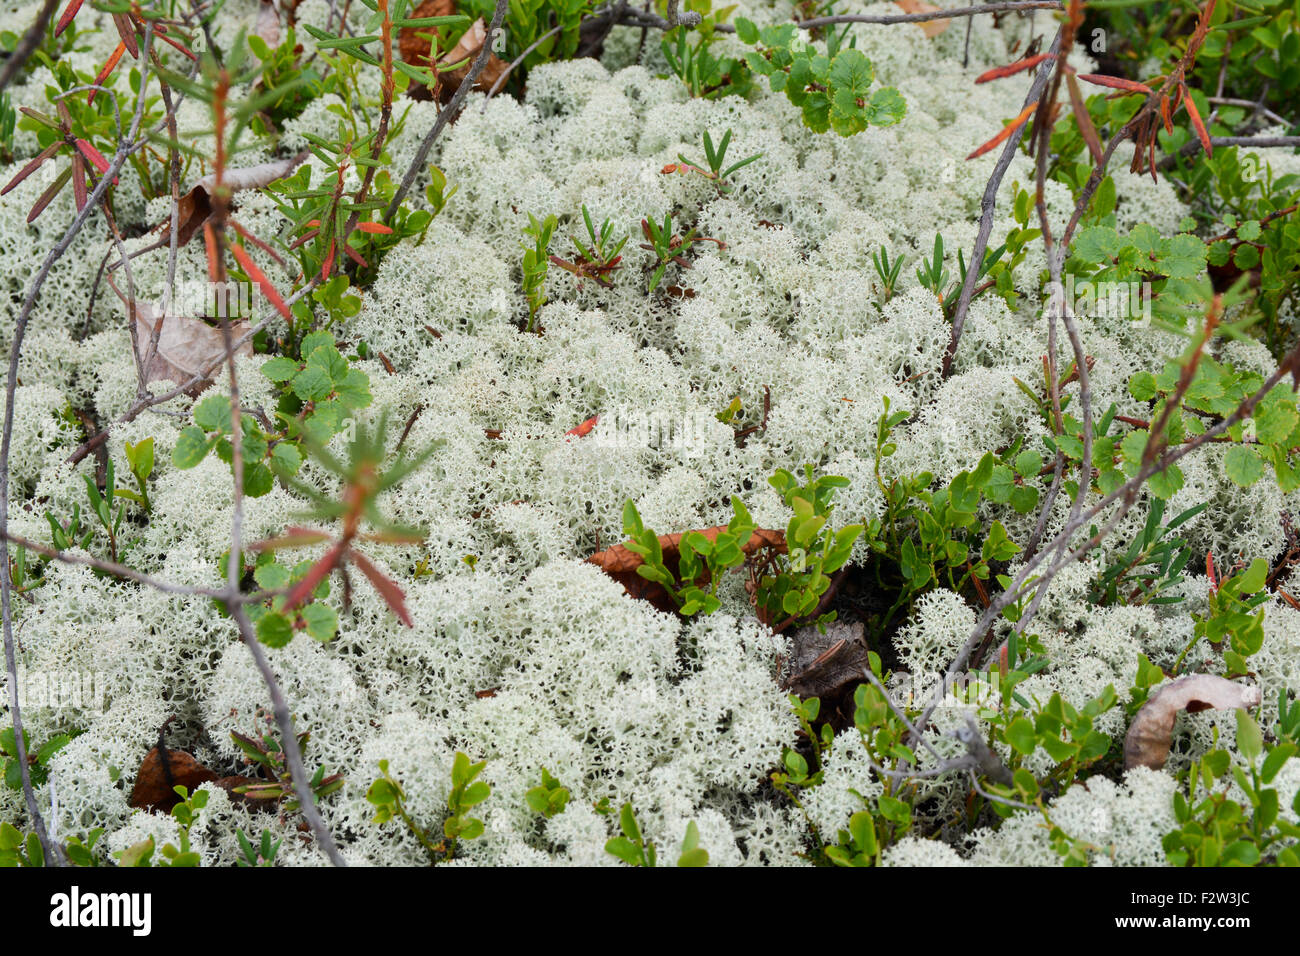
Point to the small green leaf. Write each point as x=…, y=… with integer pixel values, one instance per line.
x=322, y=621
x=192, y=446
x=1020, y=734
x=274, y=630
x=1242, y=465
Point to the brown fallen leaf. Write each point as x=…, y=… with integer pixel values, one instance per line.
x=162, y=770
x=413, y=47
x=931, y=28
x=621, y=564
x=416, y=51
x=186, y=347
x=268, y=24
x=1149, y=736
x=196, y=205
x=467, y=49
x=825, y=665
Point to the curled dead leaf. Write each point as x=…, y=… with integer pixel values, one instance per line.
x=467, y=49
x=186, y=346
x=160, y=772
x=254, y=177
x=824, y=665
x=416, y=51
x=1149, y=736
x=196, y=205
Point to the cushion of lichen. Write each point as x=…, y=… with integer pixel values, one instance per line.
x=615, y=699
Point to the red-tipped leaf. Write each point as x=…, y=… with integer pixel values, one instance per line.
x=386, y=586
x=126, y=30
x=1201, y=133
x=79, y=181
x=1116, y=83
x=328, y=265
x=109, y=65
x=48, y=196
x=214, y=255
x=316, y=573
x=69, y=12
x=1012, y=127
x=246, y=263
x=31, y=167
x=579, y=430
x=1011, y=69
x=95, y=156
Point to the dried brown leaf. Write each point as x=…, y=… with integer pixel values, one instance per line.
x=160, y=772
x=825, y=665
x=931, y=28
x=268, y=24
x=413, y=47
x=196, y=205
x=1149, y=736
x=186, y=346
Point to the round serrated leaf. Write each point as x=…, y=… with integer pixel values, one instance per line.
x=313, y=383
x=258, y=480
x=322, y=621
x=1242, y=465
x=280, y=369
x=192, y=445
x=1020, y=735
x=271, y=577
x=274, y=630
x=213, y=413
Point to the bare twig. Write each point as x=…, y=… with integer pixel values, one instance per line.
x=234, y=569
x=1015, y=7
x=1193, y=146
x=448, y=112
x=53, y=852
x=505, y=74
x=28, y=44
x=625, y=16
x=111, y=567
x=988, y=205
